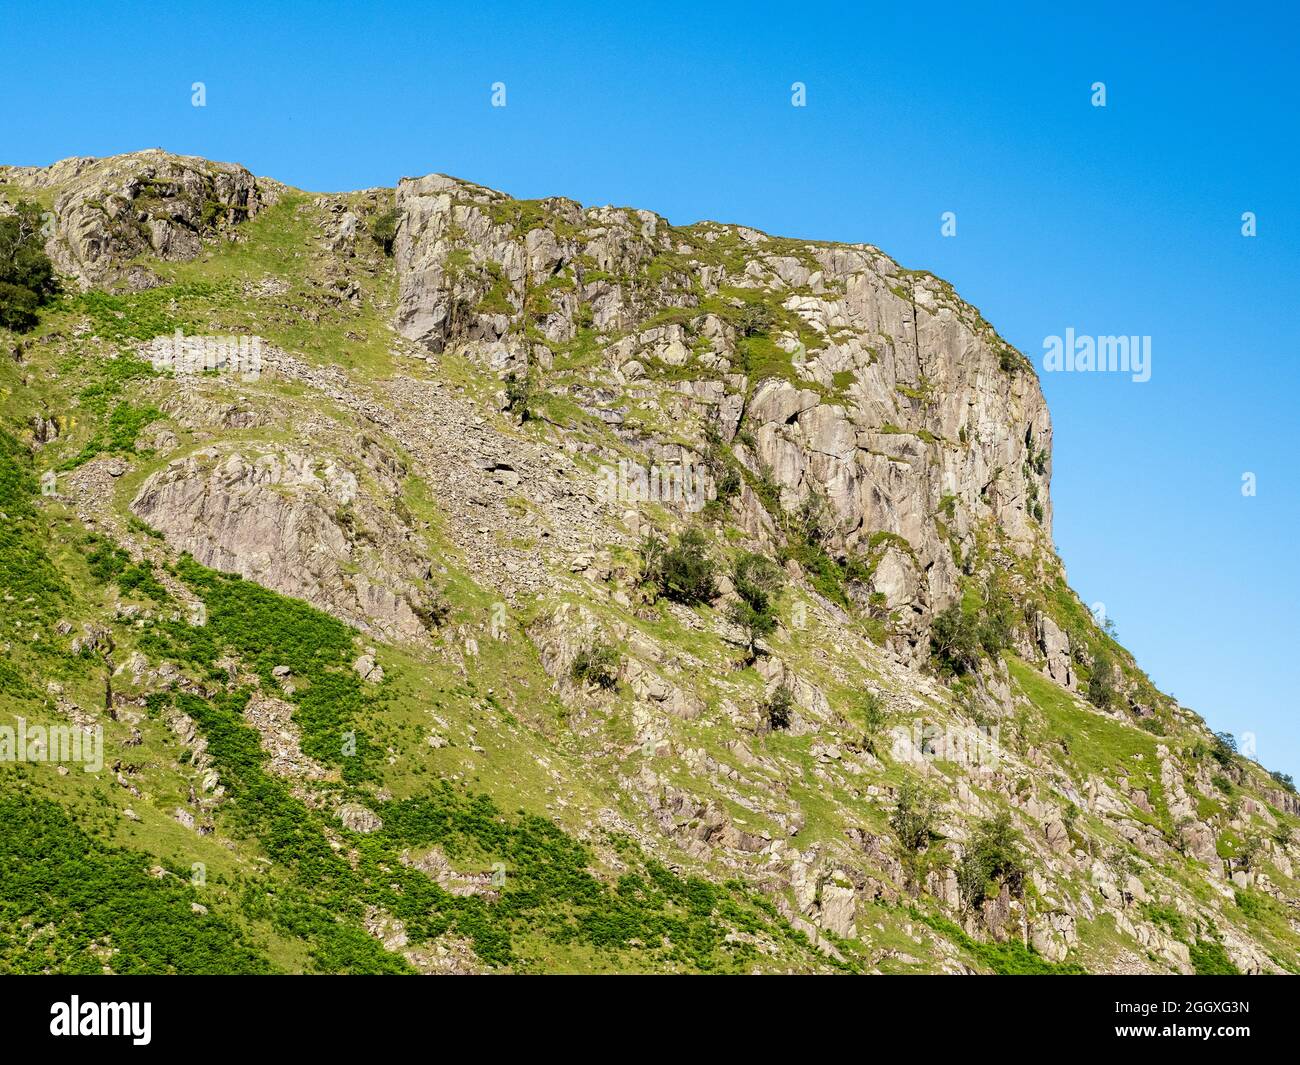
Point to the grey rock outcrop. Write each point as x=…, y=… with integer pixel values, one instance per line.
x=108, y=212
x=1054, y=935
x=1055, y=647
x=299, y=526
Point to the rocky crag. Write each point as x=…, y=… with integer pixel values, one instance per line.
x=498, y=485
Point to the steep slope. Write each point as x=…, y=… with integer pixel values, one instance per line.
x=724, y=560
x=835, y=375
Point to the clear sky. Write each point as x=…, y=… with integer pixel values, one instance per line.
x=1117, y=220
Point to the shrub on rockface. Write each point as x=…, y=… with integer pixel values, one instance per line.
x=993, y=857
x=684, y=573
x=1101, y=685
x=916, y=812
x=18, y=307
x=596, y=664
x=520, y=392
x=26, y=274
x=759, y=582
x=964, y=632
x=955, y=641
x=779, y=707
x=812, y=523
x=1209, y=958
x=996, y=624
x=383, y=229
x=723, y=470
x=754, y=319
x=1224, y=749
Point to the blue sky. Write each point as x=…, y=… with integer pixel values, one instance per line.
x=1117, y=220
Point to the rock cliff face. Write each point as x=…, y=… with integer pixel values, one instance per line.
x=312, y=530
x=837, y=375
x=466, y=451
x=109, y=212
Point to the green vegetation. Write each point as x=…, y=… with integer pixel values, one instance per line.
x=1258, y=906
x=993, y=858
x=955, y=640
x=831, y=577
x=70, y=904
x=913, y=821
x=724, y=470
x=1101, y=685
x=27, y=280
x=778, y=708
x=521, y=394
x=683, y=572
x=269, y=630
x=383, y=229
x=808, y=530
x=33, y=587
x=546, y=894
x=963, y=633
x=758, y=581
x=144, y=315
x=1166, y=917
x=1207, y=953
x=546, y=884
x=523, y=216
x=1012, y=958
x=543, y=890
x=915, y=813
x=496, y=300
x=754, y=319
x=597, y=664
x=1224, y=749
x=110, y=564
x=489, y=784
x=119, y=436
x=1210, y=959
x=870, y=711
